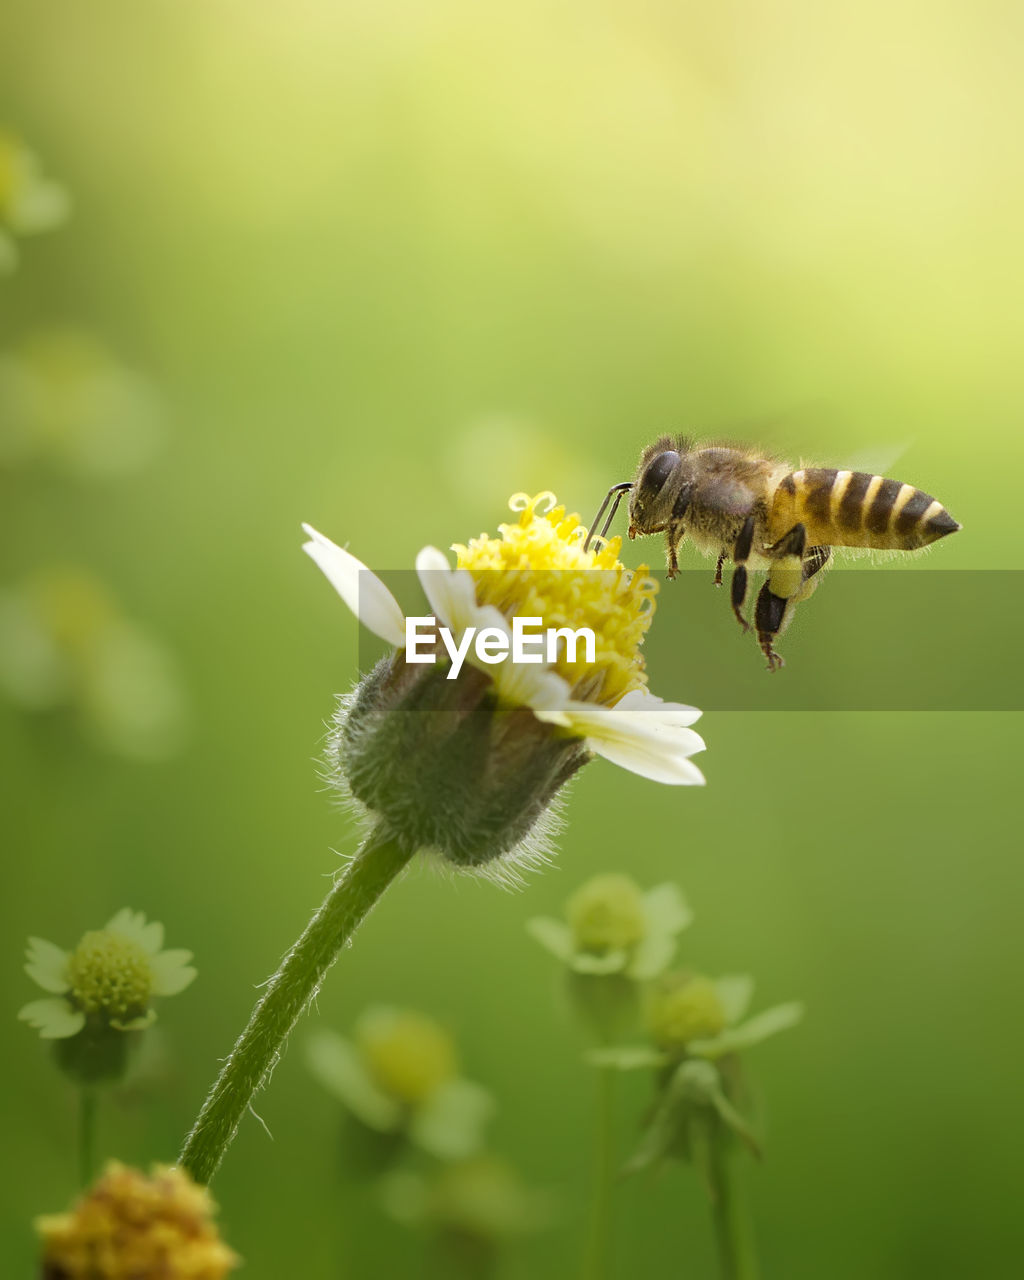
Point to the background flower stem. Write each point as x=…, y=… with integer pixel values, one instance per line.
x=286, y=995
x=86, y=1134
x=733, y=1238
x=597, y=1263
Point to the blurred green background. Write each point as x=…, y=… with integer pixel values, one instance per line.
x=376, y=266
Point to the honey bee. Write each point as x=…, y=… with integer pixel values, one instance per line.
x=740, y=504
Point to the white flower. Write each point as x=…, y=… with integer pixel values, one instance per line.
x=111, y=976
x=607, y=706
x=614, y=927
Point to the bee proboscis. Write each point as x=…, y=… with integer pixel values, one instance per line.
x=740, y=504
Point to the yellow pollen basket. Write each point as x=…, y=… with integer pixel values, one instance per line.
x=538, y=568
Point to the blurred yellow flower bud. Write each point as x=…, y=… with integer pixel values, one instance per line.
x=685, y=1007
x=607, y=914
x=129, y=1225
x=408, y=1055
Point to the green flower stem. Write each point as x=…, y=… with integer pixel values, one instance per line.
x=86, y=1134
x=733, y=1238
x=598, y=1258
x=286, y=995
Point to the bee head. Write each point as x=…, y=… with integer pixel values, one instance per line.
x=661, y=490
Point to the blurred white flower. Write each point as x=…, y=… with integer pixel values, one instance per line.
x=65, y=643
x=68, y=401
x=399, y=1074
x=29, y=202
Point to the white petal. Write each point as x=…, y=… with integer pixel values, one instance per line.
x=54, y=1019
x=132, y=924
x=363, y=592
x=335, y=1062
x=171, y=972
x=666, y=909
x=533, y=685
x=636, y=740
x=613, y=724
x=452, y=596
x=450, y=592
x=677, y=714
x=652, y=956
x=123, y=922
x=152, y=937
x=553, y=935
x=553, y=717
x=657, y=765
x=735, y=992
x=47, y=965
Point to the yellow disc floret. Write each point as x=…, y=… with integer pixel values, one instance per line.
x=607, y=913
x=538, y=568
x=408, y=1056
x=130, y=1225
x=110, y=974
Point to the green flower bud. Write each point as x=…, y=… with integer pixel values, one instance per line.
x=684, y=1007
x=446, y=764
x=99, y=1054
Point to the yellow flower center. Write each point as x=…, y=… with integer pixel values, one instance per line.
x=684, y=1009
x=538, y=568
x=110, y=974
x=408, y=1055
x=607, y=913
x=130, y=1225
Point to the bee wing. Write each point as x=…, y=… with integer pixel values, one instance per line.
x=878, y=460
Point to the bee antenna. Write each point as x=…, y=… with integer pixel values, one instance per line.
x=616, y=492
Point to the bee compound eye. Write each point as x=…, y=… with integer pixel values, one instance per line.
x=660, y=469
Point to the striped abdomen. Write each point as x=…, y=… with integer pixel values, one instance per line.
x=854, y=509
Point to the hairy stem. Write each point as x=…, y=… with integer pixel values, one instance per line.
x=284, y=998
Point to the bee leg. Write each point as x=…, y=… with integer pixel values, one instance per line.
x=740, y=553
x=718, y=570
x=769, y=615
x=673, y=558
x=785, y=586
